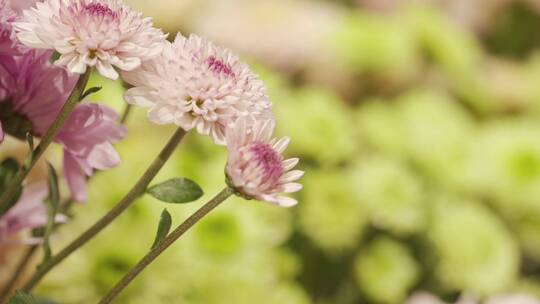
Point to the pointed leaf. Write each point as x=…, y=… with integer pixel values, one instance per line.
x=91, y=91
x=8, y=169
x=52, y=182
x=53, y=201
x=165, y=222
x=22, y=298
x=176, y=191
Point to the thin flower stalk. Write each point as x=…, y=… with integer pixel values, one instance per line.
x=136, y=191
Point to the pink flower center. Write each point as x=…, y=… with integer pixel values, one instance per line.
x=219, y=67
x=269, y=160
x=100, y=10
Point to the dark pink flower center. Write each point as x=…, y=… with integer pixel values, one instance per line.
x=269, y=160
x=100, y=10
x=219, y=67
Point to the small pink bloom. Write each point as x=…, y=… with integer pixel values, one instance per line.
x=29, y=213
x=196, y=84
x=91, y=33
x=87, y=137
x=256, y=168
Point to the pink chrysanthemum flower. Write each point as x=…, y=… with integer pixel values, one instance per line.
x=256, y=168
x=87, y=138
x=32, y=93
x=196, y=84
x=29, y=213
x=91, y=33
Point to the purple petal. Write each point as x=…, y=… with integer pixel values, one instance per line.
x=75, y=176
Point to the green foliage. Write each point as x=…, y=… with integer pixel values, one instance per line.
x=53, y=201
x=176, y=191
x=164, y=226
x=8, y=169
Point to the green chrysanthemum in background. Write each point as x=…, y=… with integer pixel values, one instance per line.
x=391, y=192
x=438, y=132
x=379, y=126
x=384, y=45
x=506, y=166
x=310, y=118
x=386, y=271
x=331, y=216
x=475, y=250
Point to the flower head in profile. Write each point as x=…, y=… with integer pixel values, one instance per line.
x=91, y=33
x=87, y=137
x=256, y=168
x=196, y=84
x=29, y=213
x=32, y=93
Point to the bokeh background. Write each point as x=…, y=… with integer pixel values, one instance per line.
x=418, y=124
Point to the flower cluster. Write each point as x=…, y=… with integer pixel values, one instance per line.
x=32, y=93
x=196, y=84
x=190, y=83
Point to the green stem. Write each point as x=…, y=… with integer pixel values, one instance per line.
x=46, y=140
x=168, y=241
x=136, y=191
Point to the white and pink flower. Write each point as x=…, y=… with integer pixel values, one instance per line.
x=196, y=84
x=256, y=168
x=91, y=33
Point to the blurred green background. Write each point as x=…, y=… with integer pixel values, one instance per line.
x=418, y=124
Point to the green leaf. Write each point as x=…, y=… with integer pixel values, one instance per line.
x=52, y=182
x=176, y=191
x=55, y=56
x=8, y=169
x=90, y=92
x=22, y=298
x=53, y=201
x=165, y=222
